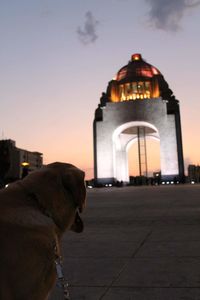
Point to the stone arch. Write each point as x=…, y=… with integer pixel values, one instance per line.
x=123, y=137
x=112, y=137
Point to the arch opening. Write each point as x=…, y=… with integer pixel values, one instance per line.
x=139, y=134
x=153, y=159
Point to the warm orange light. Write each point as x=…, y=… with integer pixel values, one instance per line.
x=114, y=92
x=146, y=73
x=135, y=90
x=25, y=164
x=154, y=70
x=156, y=91
x=136, y=56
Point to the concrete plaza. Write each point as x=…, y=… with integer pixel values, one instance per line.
x=139, y=243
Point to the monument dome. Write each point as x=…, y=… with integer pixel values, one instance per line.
x=136, y=69
x=138, y=80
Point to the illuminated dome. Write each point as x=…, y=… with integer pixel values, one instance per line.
x=138, y=80
x=137, y=69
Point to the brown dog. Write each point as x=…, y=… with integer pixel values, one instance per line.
x=34, y=213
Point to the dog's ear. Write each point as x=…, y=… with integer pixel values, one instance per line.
x=47, y=187
x=73, y=181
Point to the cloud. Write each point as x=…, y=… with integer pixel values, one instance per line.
x=45, y=9
x=88, y=34
x=167, y=14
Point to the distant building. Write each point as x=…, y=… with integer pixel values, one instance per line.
x=16, y=163
x=194, y=173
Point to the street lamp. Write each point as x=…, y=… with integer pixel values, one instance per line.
x=25, y=168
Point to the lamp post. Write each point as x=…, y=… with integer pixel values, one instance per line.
x=25, y=168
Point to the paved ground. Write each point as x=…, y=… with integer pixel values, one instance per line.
x=139, y=243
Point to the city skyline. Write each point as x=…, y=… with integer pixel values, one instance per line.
x=57, y=57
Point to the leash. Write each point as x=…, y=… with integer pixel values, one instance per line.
x=61, y=281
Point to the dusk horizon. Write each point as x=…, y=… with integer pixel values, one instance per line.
x=57, y=58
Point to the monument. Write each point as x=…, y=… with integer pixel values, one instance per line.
x=137, y=105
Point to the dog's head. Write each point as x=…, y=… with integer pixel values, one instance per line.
x=60, y=191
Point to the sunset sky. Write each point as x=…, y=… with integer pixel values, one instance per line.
x=57, y=57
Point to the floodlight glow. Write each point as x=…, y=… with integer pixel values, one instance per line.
x=25, y=164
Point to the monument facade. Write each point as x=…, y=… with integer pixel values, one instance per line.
x=137, y=105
